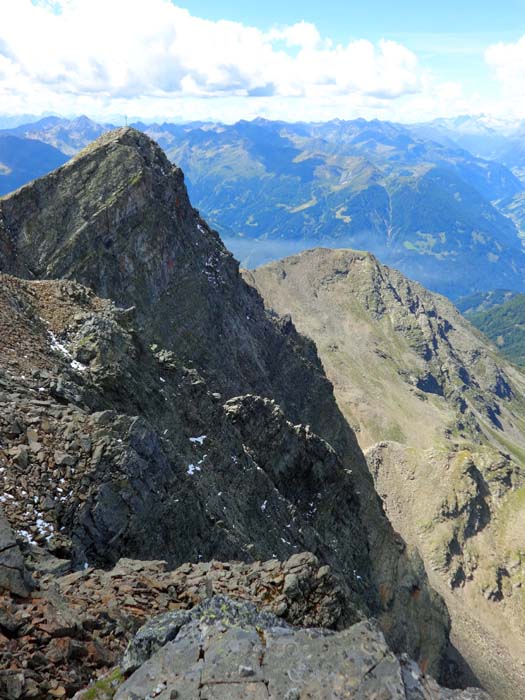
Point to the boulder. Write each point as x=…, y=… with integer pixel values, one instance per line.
x=13, y=575
x=224, y=649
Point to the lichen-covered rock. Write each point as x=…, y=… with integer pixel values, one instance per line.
x=229, y=650
x=152, y=636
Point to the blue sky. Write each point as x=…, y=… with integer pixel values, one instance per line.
x=449, y=36
x=373, y=19
x=226, y=60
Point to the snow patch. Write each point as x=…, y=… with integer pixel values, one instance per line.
x=27, y=535
x=78, y=366
x=59, y=347
x=199, y=439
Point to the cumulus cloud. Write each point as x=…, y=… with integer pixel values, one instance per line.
x=508, y=62
x=55, y=53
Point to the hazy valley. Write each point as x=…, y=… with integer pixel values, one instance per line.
x=447, y=217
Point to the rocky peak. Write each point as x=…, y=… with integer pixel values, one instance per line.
x=117, y=219
x=99, y=218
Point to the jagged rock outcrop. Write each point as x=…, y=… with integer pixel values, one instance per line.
x=442, y=418
x=157, y=455
x=130, y=454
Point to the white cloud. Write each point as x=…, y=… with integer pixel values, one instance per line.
x=55, y=54
x=508, y=62
x=152, y=58
x=302, y=34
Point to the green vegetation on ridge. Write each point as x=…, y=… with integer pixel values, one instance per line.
x=504, y=324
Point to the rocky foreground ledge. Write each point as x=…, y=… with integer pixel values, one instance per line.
x=207, y=631
x=75, y=628
x=228, y=650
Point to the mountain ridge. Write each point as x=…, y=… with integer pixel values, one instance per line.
x=440, y=416
x=23, y=160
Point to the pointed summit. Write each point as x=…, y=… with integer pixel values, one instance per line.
x=130, y=138
x=114, y=218
x=117, y=218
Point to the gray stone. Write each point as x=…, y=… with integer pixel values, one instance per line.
x=226, y=650
x=152, y=636
x=13, y=575
x=291, y=586
x=22, y=456
x=293, y=694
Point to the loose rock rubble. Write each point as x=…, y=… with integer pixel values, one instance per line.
x=76, y=627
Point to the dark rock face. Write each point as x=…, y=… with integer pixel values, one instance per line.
x=132, y=455
x=13, y=575
x=226, y=649
x=156, y=425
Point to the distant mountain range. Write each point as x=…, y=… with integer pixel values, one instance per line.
x=23, y=159
x=414, y=195
x=503, y=141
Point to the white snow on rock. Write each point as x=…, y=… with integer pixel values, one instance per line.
x=59, y=347
x=199, y=439
x=78, y=366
